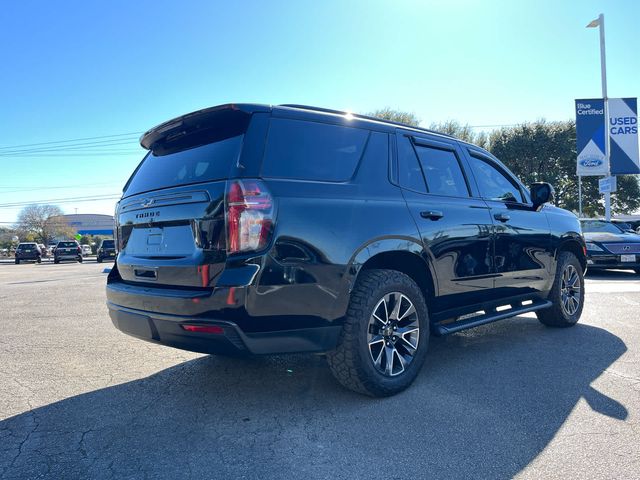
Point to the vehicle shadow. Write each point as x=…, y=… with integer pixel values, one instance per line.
x=619, y=275
x=485, y=405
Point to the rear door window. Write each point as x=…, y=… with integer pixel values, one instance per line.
x=312, y=151
x=442, y=172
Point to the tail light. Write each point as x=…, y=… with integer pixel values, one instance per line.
x=79, y=250
x=249, y=216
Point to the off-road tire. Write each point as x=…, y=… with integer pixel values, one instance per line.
x=556, y=316
x=351, y=362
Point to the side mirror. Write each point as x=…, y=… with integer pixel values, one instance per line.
x=541, y=193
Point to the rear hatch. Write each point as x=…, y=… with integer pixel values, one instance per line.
x=171, y=220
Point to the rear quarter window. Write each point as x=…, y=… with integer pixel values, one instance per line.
x=312, y=151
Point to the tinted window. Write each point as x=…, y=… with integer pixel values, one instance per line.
x=442, y=172
x=312, y=151
x=493, y=183
x=108, y=244
x=409, y=171
x=26, y=246
x=67, y=244
x=200, y=164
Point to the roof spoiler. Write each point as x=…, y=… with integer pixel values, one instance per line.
x=184, y=125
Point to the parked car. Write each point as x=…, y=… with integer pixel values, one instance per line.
x=106, y=250
x=68, y=250
x=610, y=246
x=263, y=230
x=86, y=249
x=28, y=251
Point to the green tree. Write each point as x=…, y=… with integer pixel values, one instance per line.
x=457, y=130
x=546, y=152
x=398, y=116
x=85, y=240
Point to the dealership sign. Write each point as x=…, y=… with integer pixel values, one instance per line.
x=590, y=137
x=623, y=134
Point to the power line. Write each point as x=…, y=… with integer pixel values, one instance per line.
x=34, y=188
x=92, y=198
x=67, y=141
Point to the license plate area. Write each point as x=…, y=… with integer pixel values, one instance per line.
x=627, y=258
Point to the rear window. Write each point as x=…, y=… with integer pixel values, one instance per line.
x=26, y=246
x=108, y=244
x=67, y=245
x=200, y=164
x=312, y=151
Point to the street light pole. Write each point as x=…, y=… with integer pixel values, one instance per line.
x=603, y=67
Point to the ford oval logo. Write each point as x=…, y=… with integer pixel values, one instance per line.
x=591, y=162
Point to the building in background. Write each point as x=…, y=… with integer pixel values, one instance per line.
x=88, y=223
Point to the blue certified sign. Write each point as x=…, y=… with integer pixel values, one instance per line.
x=590, y=137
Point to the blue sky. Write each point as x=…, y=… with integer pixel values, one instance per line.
x=77, y=69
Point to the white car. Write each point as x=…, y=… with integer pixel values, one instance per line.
x=86, y=250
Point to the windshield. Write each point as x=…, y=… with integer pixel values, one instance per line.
x=200, y=164
x=108, y=244
x=66, y=245
x=598, y=226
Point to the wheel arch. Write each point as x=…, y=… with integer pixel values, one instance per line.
x=573, y=243
x=403, y=255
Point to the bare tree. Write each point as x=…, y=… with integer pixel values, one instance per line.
x=40, y=221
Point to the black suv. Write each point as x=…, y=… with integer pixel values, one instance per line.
x=69, y=250
x=28, y=251
x=106, y=251
x=271, y=229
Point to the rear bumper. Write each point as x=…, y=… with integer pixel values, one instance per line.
x=168, y=330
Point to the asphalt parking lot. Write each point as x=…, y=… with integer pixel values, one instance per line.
x=78, y=399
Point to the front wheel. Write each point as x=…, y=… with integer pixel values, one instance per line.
x=99, y=259
x=637, y=270
x=567, y=294
x=17, y=261
x=385, y=335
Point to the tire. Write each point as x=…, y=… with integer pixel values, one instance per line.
x=352, y=362
x=79, y=259
x=637, y=270
x=17, y=261
x=55, y=260
x=99, y=259
x=568, y=313
x=39, y=259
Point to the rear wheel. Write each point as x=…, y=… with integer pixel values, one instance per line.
x=99, y=259
x=385, y=335
x=567, y=294
x=39, y=260
x=55, y=260
x=79, y=259
x=17, y=261
x=637, y=270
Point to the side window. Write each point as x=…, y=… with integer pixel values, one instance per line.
x=312, y=151
x=409, y=171
x=442, y=172
x=493, y=183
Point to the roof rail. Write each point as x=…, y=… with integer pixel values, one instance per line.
x=364, y=117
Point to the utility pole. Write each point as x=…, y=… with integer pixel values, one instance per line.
x=603, y=67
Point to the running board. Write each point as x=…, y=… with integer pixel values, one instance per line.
x=490, y=315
